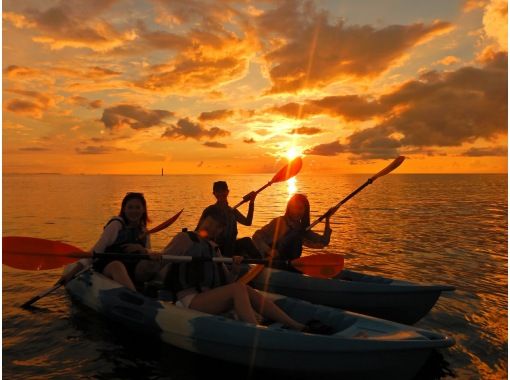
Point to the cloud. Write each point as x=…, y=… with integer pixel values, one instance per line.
x=495, y=22
x=84, y=102
x=349, y=107
x=214, y=144
x=439, y=109
x=14, y=71
x=25, y=107
x=101, y=149
x=249, y=140
x=73, y=24
x=308, y=51
x=448, y=60
x=34, y=149
x=33, y=104
x=185, y=128
x=306, y=131
x=215, y=115
x=329, y=149
x=133, y=116
x=486, y=151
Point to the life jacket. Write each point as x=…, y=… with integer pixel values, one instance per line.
x=126, y=235
x=198, y=273
x=290, y=246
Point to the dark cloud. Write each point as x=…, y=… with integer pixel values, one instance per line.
x=215, y=115
x=73, y=23
x=329, y=149
x=306, y=131
x=101, y=149
x=26, y=107
x=249, y=140
x=185, y=128
x=214, y=144
x=339, y=50
x=487, y=151
x=133, y=116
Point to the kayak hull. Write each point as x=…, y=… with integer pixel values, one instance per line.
x=361, y=347
x=395, y=300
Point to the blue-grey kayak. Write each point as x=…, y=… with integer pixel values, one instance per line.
x=395, y=300
x=361, y=346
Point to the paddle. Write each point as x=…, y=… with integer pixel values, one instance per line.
x=285, y=173
x=16, y=249
x=395, y=164
x=165, y=224
x=59, y=254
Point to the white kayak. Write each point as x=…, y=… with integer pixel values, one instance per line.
x=360, y=346
x=382, y=297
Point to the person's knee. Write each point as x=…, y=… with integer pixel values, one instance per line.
x=114, y=267
x=239, y=288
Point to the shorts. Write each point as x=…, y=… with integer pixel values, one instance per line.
x=186, y=300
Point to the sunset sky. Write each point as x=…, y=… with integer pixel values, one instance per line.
x=237, y=86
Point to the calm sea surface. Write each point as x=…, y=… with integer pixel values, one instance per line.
x=449, y=229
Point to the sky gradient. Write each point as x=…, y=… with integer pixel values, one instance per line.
x=234, y=86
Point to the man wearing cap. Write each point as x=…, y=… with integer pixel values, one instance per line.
x=227, y=241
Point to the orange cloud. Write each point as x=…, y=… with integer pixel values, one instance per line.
x=449, y=60
x=14, y=71
x=84, y=102
x=338, y=51
x=34, y=106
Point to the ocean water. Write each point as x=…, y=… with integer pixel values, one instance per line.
x=449, y=229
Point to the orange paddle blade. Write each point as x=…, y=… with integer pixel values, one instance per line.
x=165, y=224
x=251, y=274
x=288, y=171
x=30, y=253
x=325, y=265
x=388, y=169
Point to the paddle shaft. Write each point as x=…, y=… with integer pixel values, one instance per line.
x=388, y=169
x=335, y=208
x=50, y=290
x=246, y=198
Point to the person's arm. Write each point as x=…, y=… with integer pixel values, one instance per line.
x=248, y=219
x=179, y=245
x=264, y=238
x=201, y=218
x=108, y=237
x=314, y=240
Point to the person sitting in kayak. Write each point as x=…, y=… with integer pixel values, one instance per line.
x=125, y=233
x=283, y=238
x=210, y=287
x=227, y=241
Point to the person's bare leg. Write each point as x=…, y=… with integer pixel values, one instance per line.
x=117, y=272
x=223, y=299
x=269, y=309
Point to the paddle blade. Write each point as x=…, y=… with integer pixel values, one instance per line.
x=325, y=265
x=251, y=274
x=30, y=253
x=289, y=170
x=165, y=224
x=388, y=169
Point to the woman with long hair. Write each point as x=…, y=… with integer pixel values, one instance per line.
x=284, y=237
